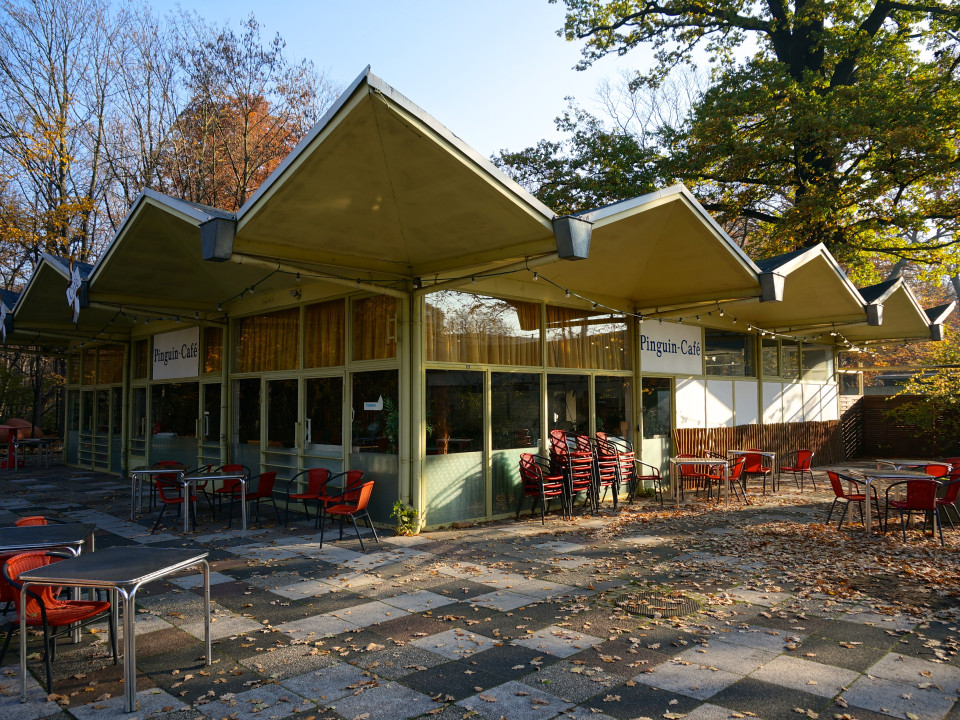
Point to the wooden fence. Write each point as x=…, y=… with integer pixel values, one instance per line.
x=824, y=438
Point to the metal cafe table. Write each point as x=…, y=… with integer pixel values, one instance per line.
x=712, y=461
x=137, y=476
x=223, y=477
x=771, y=456
x=882, y=474
x=68, y=536
x=122, y=570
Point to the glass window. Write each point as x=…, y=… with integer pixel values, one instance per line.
x=212, y=350
x=790, y=360
x=282, y=414
x=324, y=413
x=728, y=353
x=116, y=425
x=324, y=333
x=211, y=412
x=515, y=410
x=73, y=360
x=375, y=412
x=586, y=339
x=86, y=411
x=374, y=328
x=613, y=397
x=816, y=362
x=103, y=412
x=138, y=413
x=268, y=342
x=655, y=408
x=460, y=327
x=89, y=366
x=568, y=403
x=454, y=411
x=770, y=357
x=174, y=409
x=248, y=411
x=110, y=364
x=141, y=359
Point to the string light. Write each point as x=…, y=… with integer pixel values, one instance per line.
x=536, y=276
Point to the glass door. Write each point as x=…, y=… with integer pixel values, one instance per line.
x=323, y=423
x=210, y=425
x=116, y=429
x=656, y=422
x=173, y=428
x=281, y=451
x=101, y=436
x=138, y=426
x=375, y=424
x=246, y=424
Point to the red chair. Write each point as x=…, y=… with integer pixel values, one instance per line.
x=606, y=469
x=846, y=496
x=170, y=492
x=537, y=483
x=262, y=490
x=754, y=466
x=800, y=465
x=317, y=479
x=694, y=475
x=44, y=610
x=948, y=500
x=161, y=465
x=230, y=487
x=921, y=497
x=937, y=470
x=351, y=503
x=735, y=477
x=574, y=465
x=31, y=520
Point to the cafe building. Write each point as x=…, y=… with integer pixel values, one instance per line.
x=389, y=301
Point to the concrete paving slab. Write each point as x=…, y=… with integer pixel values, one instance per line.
x=811, y=677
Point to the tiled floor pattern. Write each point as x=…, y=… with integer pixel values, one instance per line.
x=507, y=620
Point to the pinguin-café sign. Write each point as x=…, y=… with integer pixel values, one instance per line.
x=176, y=354
x=671, y=348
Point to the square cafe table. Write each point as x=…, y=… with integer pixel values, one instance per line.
x=122, y=570
x=719, y=462
x=54, y=536
x=881, y=474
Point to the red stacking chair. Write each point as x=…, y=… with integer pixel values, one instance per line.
x=695, y=475
x=937, y=470
x=921, y=497
x=754, y=466
x=170, y=492
x=848, y=496
x=317, y=479
x=735, y=476
x=606, y=469
x=160, y=465
x=948, y=500
x=537, y=483
x=575, y=466
x=800, y=466
x=351, y=503
x=45, y=611
x=31, y=520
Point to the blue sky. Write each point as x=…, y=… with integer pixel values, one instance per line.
x=494, y=72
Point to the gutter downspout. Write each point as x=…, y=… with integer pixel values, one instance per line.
x=225, y=428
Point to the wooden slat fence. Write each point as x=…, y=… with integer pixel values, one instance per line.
x=824, y=438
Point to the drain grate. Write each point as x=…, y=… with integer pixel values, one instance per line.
x=656, y=603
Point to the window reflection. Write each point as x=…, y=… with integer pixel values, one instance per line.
x=376, y=412
x=729, y=353
x=324, y=412
x=461, y=327
x=614, y=403
x=515, y=410
x=568, y=403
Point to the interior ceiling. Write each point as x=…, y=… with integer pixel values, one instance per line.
x=813, y=294
x=380, y=191
x=657, y=256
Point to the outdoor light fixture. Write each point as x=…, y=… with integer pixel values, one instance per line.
x=536, y=276
x=568, y=293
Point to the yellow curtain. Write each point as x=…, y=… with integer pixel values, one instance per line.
x=375, y=328
x=324, y=330
x=110, y=364
x=89, y=366
x=584, y=339
x=212, y=349
x=268, y=342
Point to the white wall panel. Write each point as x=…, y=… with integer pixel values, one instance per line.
x=829, y=402
x=811, y=402
x=792, y=402
x=719, y=403
x=746, y=402
x=691, y=403
x=772, y=403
